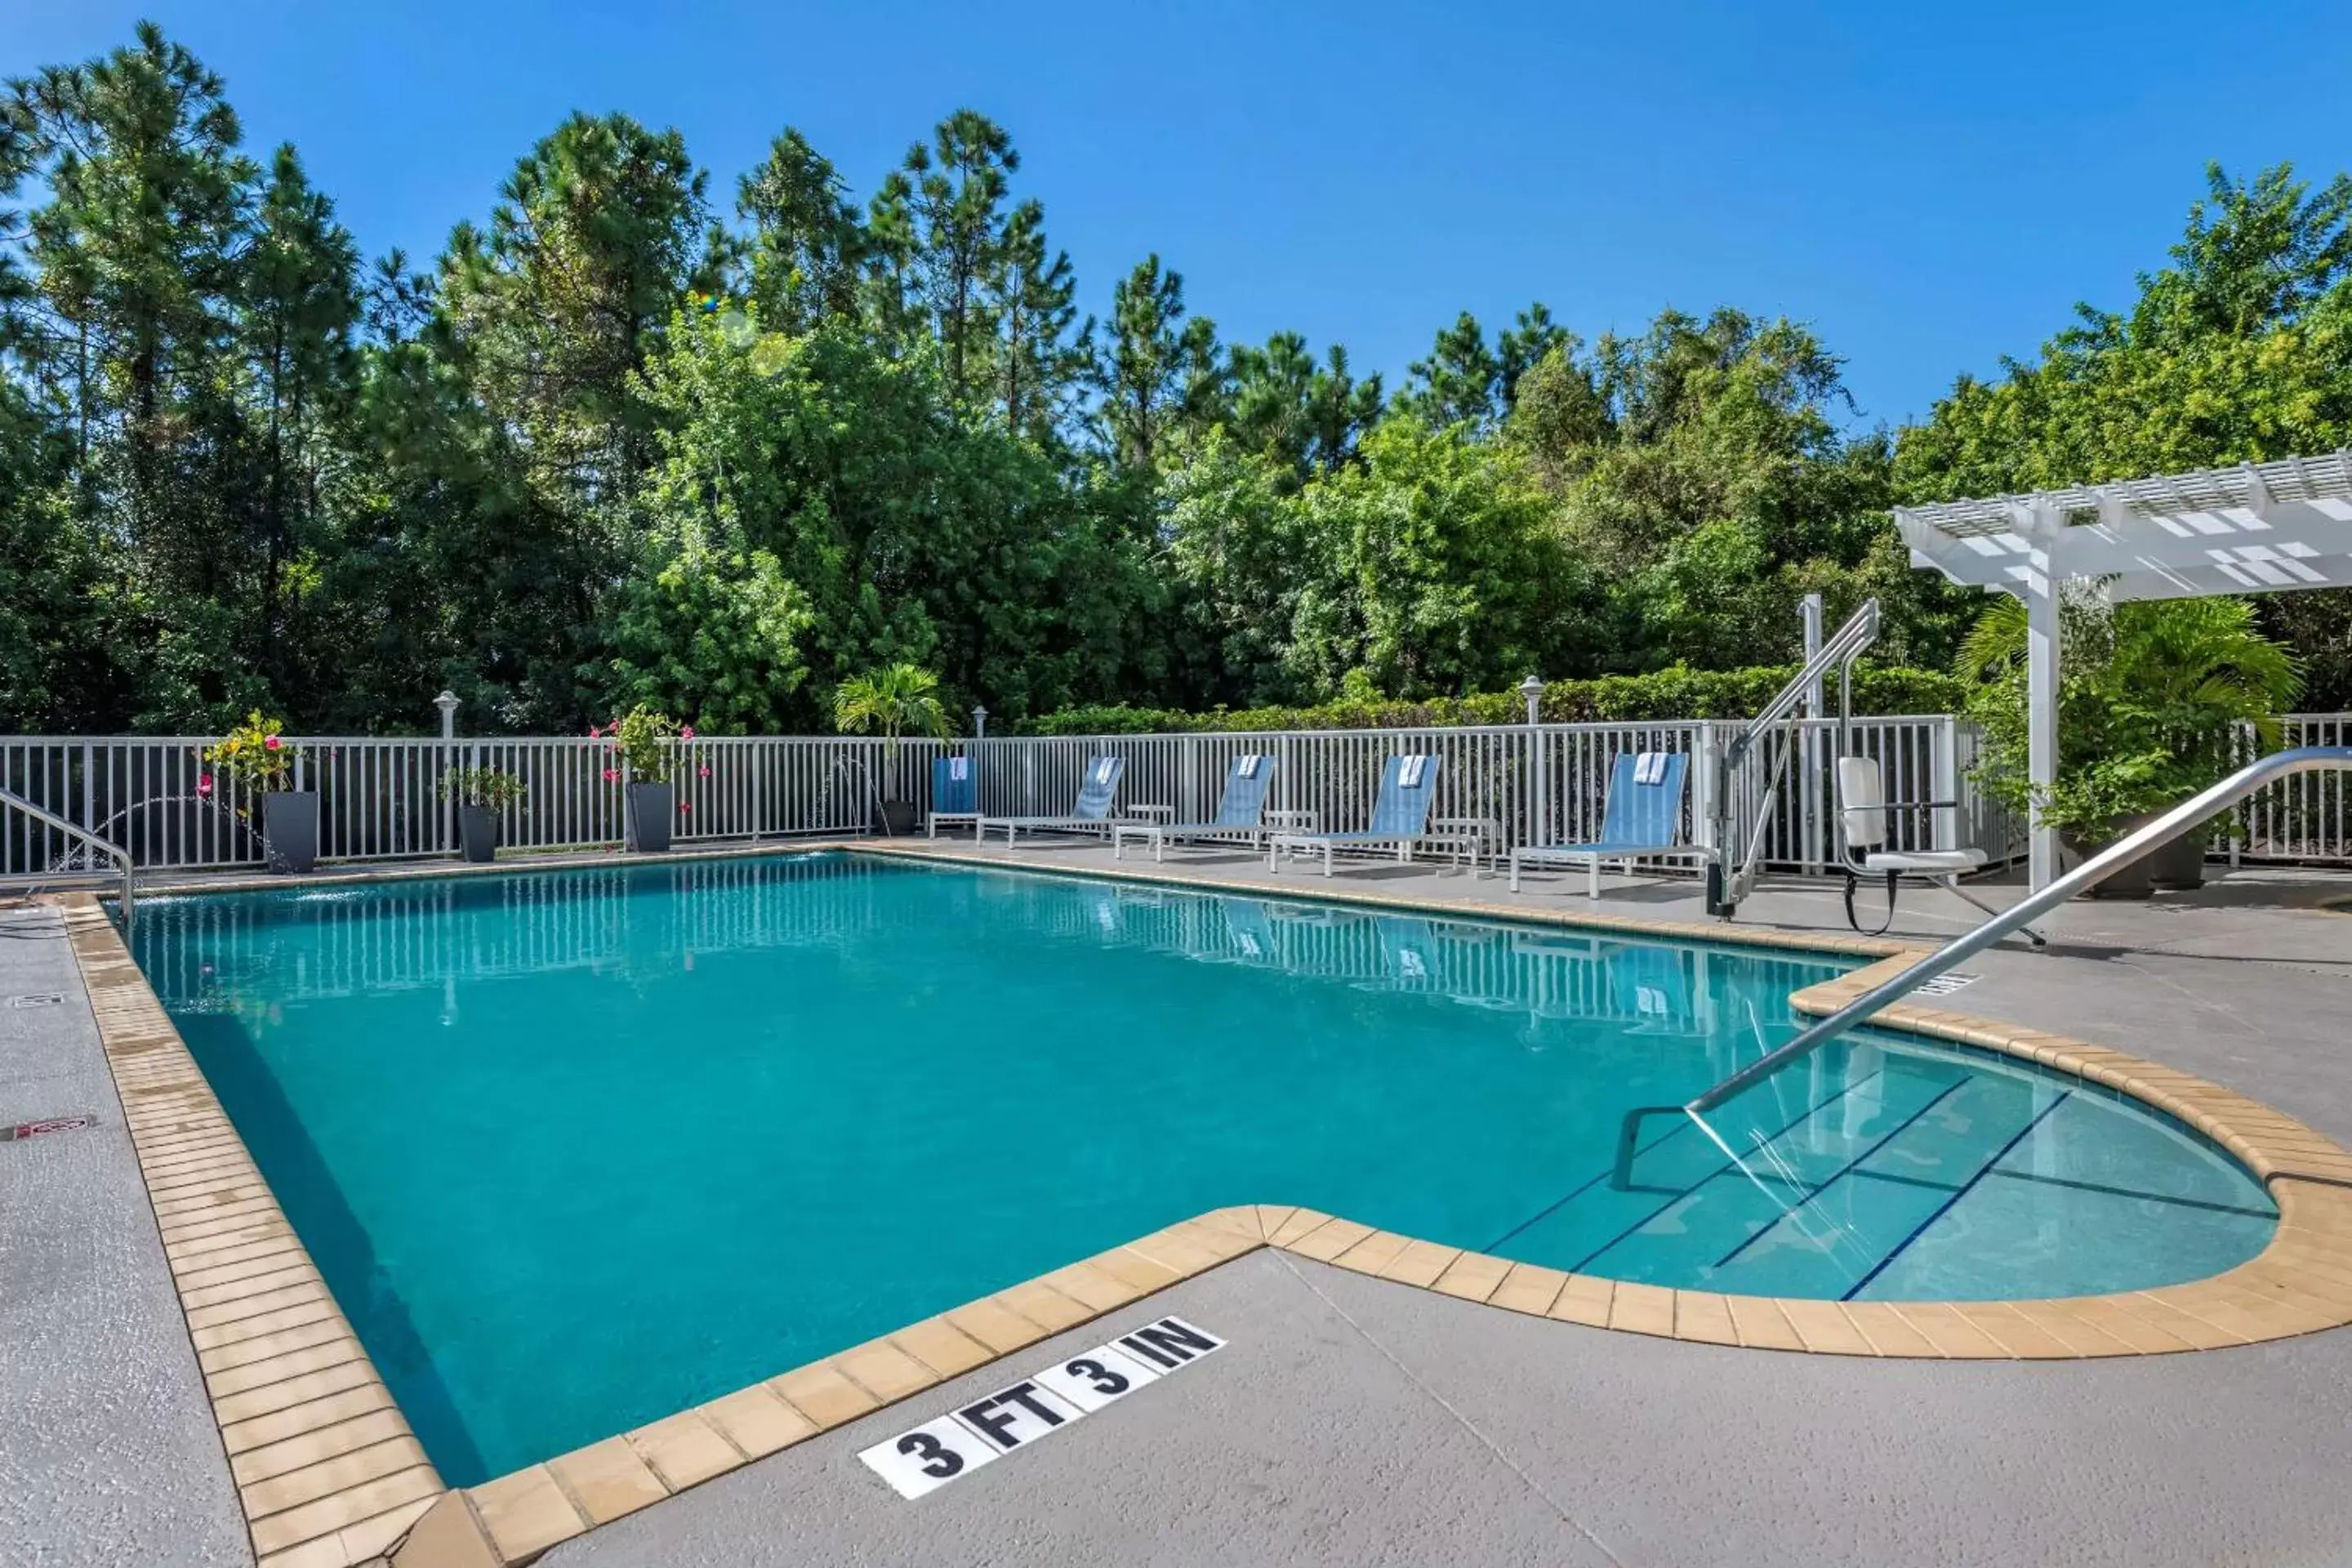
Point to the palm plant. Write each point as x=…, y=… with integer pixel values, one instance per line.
x=897, y=700
x=2153, y=698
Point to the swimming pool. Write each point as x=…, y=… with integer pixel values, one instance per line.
x=578, y=1148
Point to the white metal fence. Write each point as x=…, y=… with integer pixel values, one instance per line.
x=381, y=799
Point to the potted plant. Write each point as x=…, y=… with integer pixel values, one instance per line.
x=897, y=700
x=2155, y=701
x=647, y=743
x=482, y=796
x=256, y=756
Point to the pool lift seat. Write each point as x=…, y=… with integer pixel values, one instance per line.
x=1867, y=832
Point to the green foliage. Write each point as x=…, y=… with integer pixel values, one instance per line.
x=716, y=635
x=2152, y=699
x=494, y=788
x=2240, y=351
x=893, y=701
x=607, y=451
x=1664, y=695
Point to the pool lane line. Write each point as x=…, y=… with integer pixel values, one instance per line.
x=1945, y=1208
x=1591, y=1181
x=1839, y=1175
x=2132, y=1194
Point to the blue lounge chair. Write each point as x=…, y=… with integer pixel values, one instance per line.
x=1091, y=810
x=955, y=791
x=1240, y=813
x=1642, y=821
x=1399, y=815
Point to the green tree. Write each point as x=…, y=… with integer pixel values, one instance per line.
x=1159, y=373
x=807, y=243
x=2240, y=351
x=1307, y=417
x=714, y=635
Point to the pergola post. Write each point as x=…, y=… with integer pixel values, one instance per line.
x=2042, y=717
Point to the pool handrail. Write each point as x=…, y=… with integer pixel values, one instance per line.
x=115, y=852
x=2190, y=814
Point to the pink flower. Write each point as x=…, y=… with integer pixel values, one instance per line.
x=704, y=771
x=686, y=806
x=594, y=731
x=611, y=775
x=204, y=784
x=686, y=733
x=271, y=741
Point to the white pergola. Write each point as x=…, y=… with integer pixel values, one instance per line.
x=2258, y=528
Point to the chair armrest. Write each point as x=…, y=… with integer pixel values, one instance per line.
x=1156, y=813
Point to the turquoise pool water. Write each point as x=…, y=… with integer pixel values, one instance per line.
x=576, y=1150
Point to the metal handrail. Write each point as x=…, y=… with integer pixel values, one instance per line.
x=2194, y=812
x=115, y=852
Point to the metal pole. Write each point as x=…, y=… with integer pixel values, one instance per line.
x=447, y=703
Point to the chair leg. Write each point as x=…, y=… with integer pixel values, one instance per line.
x=2034, y=936
x=1515, y=873
x=1592, y=876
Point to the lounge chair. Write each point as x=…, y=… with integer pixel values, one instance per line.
x=1240, y=813
x=1866, y=823
x=1399, y=815
x=1642, y=821
x=1091, y=810
x=955, y=792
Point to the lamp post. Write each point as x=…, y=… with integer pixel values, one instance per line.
x=1532, y=689
x=447, y=703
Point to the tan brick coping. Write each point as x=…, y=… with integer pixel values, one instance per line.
x=324, y=1463
x=2300, y=1283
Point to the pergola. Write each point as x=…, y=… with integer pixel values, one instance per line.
x=2258, y=528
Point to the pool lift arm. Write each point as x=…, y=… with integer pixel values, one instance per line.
x=1731, y=875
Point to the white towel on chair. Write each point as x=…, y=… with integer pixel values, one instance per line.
x=1248, y=766
x=1409, y=777
x=1650, y=767
x=959, y=768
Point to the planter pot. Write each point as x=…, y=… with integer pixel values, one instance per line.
x=652, y=808
x=2077, y=844
x=477, y=834
x=895, y=818
x=2179, y=866
x=290, y=829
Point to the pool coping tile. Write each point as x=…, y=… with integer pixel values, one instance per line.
x=294, y=1391
x=327, y=1470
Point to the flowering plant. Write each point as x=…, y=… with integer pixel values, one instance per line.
x=493, y=787
x=647, y=743
x=253, y=754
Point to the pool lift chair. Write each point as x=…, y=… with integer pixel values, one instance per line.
x=1868, y=835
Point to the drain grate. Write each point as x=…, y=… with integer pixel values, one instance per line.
x=23, y=1130
x=1944, y=984
x=39, y=999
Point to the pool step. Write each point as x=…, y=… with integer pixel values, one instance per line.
x=1817, y=1203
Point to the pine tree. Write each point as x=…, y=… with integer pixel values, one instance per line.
x=806, y=243
x=1040, y=362
x=1160, y=373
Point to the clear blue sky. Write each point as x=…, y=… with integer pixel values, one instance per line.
x=1930, y=187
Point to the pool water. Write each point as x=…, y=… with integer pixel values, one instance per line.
x=576, y=1150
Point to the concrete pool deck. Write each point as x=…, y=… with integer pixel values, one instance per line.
x=1353, y=1419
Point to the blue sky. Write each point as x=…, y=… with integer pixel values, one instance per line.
x=1930, y=187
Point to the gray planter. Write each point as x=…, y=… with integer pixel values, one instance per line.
x=2179, y=866
x=894, y=818
x=290, y=829
x=2133, y=882
x=652, y=808
x=477, y=834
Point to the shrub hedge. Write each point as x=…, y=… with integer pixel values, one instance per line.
x=1667, y=694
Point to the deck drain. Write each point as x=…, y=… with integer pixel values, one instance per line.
x=1944, y=984
x=39, y=999
x=23, y=1130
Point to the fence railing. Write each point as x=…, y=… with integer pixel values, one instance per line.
x=381, y=798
